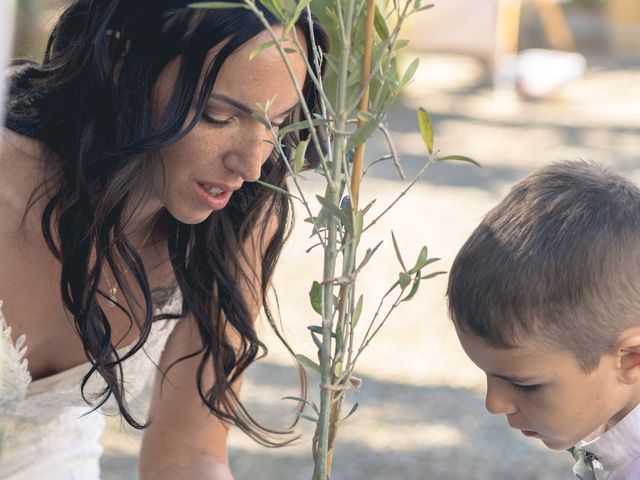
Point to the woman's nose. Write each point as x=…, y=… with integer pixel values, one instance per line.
x=498, y=399
x=252, y=151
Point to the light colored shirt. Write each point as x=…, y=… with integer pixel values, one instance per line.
x=617, y=450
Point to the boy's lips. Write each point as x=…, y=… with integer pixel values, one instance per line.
x=525, y=432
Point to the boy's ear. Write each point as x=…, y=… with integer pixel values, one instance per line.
x=628, y=356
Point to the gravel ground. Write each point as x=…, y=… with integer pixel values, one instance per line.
x=421, y=412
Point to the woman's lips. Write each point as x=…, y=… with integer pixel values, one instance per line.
x=212, y=196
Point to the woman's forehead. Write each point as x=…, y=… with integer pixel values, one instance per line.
x=252, y=76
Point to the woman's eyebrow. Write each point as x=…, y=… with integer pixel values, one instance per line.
x=248, y=110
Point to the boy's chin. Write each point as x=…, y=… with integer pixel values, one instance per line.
x=555, y=444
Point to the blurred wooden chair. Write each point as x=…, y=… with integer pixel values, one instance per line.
x=534, y=73
x=508, y=26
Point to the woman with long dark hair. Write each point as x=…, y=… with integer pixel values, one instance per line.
x=135, y=241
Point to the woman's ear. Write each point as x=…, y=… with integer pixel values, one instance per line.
x=628, y=356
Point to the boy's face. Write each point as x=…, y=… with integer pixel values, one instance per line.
x=545, y=394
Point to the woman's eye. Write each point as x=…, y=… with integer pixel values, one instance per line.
x=218, y=120
x=525, y=388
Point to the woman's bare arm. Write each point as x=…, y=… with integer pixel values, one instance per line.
x=185, y=440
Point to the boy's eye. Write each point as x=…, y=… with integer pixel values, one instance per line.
x=525, y=388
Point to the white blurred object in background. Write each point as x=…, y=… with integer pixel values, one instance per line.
x=537, y=73
x=489, y=30
x=7, y=11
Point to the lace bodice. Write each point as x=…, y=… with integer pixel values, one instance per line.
x=47, y=434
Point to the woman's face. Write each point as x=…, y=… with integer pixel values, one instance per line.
x=228, y=145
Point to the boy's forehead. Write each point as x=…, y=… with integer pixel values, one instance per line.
x=520, y=363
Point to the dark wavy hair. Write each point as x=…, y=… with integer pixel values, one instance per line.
x=100, y=137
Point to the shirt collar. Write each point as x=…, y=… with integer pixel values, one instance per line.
x=619, y=445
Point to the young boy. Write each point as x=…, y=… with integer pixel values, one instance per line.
x=545, y=298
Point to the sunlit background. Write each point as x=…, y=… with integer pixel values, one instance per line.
x=512, y=84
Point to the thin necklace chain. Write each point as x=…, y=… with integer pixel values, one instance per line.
x=112, y=293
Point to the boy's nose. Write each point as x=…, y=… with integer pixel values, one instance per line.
x=497, y=400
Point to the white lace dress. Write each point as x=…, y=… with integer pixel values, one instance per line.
x=49, y=432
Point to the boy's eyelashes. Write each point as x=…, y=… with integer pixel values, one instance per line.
x=525, y=388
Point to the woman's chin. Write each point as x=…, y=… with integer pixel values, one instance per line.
x=192, y=217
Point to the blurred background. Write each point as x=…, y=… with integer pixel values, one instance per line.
x=513, y=84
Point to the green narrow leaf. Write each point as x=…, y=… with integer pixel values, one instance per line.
x=367, y=256
x=333, y=210
x=301, y=5
x=426, y=128
x=393, y=69
x=368, y=207
x=363, y=133
x=216, y=5
x=414, y=288
x=357, y=311
x=404, y=280
x=426, y=7
x=260, y=48
x=274, y=6
x=384, y=158
x=411, y=71
x=274, y=188
x=432, y=275
x=315, y=295
x=317, y=340
x=332, y=61
x=337, y=369
x=307, y=363
x=358, y=225
x=294, y=127
x=302, y=400
x=459, y=158
x=298, y=161
x=288, y=6
x=308, y=417
x=380, y=25
x=365, y=116
x=263, y=120
x=352, y=411
x=398, y=255
x=421, y=262
x=315, y=328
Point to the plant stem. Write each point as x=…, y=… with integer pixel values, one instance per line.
x=332, y=194
x=356, y=174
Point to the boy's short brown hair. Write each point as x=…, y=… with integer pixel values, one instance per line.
x=557, y=259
